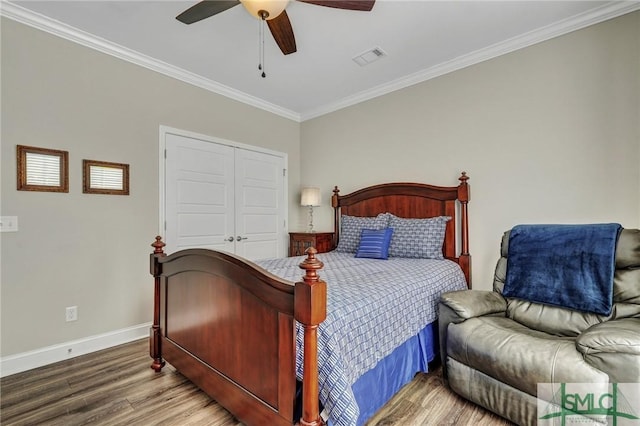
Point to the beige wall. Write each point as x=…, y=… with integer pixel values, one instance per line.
x=548, y=134
x=92, y=250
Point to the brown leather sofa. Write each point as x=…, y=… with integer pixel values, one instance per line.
x=495, y=350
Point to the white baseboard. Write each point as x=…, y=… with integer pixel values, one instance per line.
x=13, y=364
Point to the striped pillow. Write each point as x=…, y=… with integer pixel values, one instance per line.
x=374, y=243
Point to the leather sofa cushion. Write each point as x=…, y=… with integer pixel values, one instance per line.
x=625, y=287
x=551, y=319
x=628, y=249
x=518, y=356
x=620, y=336
x=613, y=347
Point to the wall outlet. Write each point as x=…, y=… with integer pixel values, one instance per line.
x=72, y=313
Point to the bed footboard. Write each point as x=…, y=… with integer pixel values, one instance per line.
x=228, y=326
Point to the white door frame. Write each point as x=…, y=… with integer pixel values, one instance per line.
x=164, y=130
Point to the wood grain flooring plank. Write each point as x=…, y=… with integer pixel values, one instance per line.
x=116, y=387
x=39, y=400
x=98, y=412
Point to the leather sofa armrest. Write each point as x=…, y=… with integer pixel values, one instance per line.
x=474, y=303
x=458, y=306
x=613, y=347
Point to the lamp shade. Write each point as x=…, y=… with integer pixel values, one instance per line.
x=273, y=7
x=310, y=196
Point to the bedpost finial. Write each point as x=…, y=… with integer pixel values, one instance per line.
x=311, y=265
x=158, y=245
x=463, y=177
x=336, y=190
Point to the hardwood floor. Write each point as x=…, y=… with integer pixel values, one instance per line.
x=117, y=387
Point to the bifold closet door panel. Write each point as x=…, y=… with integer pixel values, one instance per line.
x=259, y=197
x=199, y=194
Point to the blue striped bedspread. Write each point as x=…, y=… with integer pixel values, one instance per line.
x=373, y=306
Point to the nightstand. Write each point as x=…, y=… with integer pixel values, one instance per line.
x=300, y=241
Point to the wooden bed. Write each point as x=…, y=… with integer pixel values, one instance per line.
x=229, y=325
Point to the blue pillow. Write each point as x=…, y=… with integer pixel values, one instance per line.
x=374, y=243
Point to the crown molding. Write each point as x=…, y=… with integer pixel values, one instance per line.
x=57, y=28
x=608, y=11
x=591, y=17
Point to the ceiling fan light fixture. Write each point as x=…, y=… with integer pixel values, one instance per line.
x=256, y=8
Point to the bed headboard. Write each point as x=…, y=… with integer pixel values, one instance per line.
x=414, y=200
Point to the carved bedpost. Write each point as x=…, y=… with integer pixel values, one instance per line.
x=155, y=349
x=310, y=310
x=463, y=196
x=336, y=217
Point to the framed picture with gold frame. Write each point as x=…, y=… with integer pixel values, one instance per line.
x=102, y=177
x=42, y=169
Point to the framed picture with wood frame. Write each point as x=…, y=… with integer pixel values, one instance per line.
x=102, y=177
x=42, y=169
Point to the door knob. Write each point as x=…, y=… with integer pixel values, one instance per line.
x=239, y=238
x=230, y=239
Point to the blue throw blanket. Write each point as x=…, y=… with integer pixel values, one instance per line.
x=571, y=266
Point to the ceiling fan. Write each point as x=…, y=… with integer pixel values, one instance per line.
x=273, y=11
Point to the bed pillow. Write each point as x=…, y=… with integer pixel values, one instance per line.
x=351, y=227
x=418, y=238
x=374, y=243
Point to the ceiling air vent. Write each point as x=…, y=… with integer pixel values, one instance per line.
x=369, y=56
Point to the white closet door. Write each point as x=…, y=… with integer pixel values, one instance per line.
x=259, y=201
x=223, y=197
x=199, y=194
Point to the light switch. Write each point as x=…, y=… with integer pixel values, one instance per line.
x=8, y=223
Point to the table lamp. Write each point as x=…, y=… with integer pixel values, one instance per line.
x=310, y=198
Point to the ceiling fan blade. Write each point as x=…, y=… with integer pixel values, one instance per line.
x=363, y=5
x=205, y=9
x=283, y=33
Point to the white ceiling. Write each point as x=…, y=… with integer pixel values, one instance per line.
x=422, y=39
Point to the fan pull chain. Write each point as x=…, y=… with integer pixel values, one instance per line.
x=261, y=65
x=259, y=44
